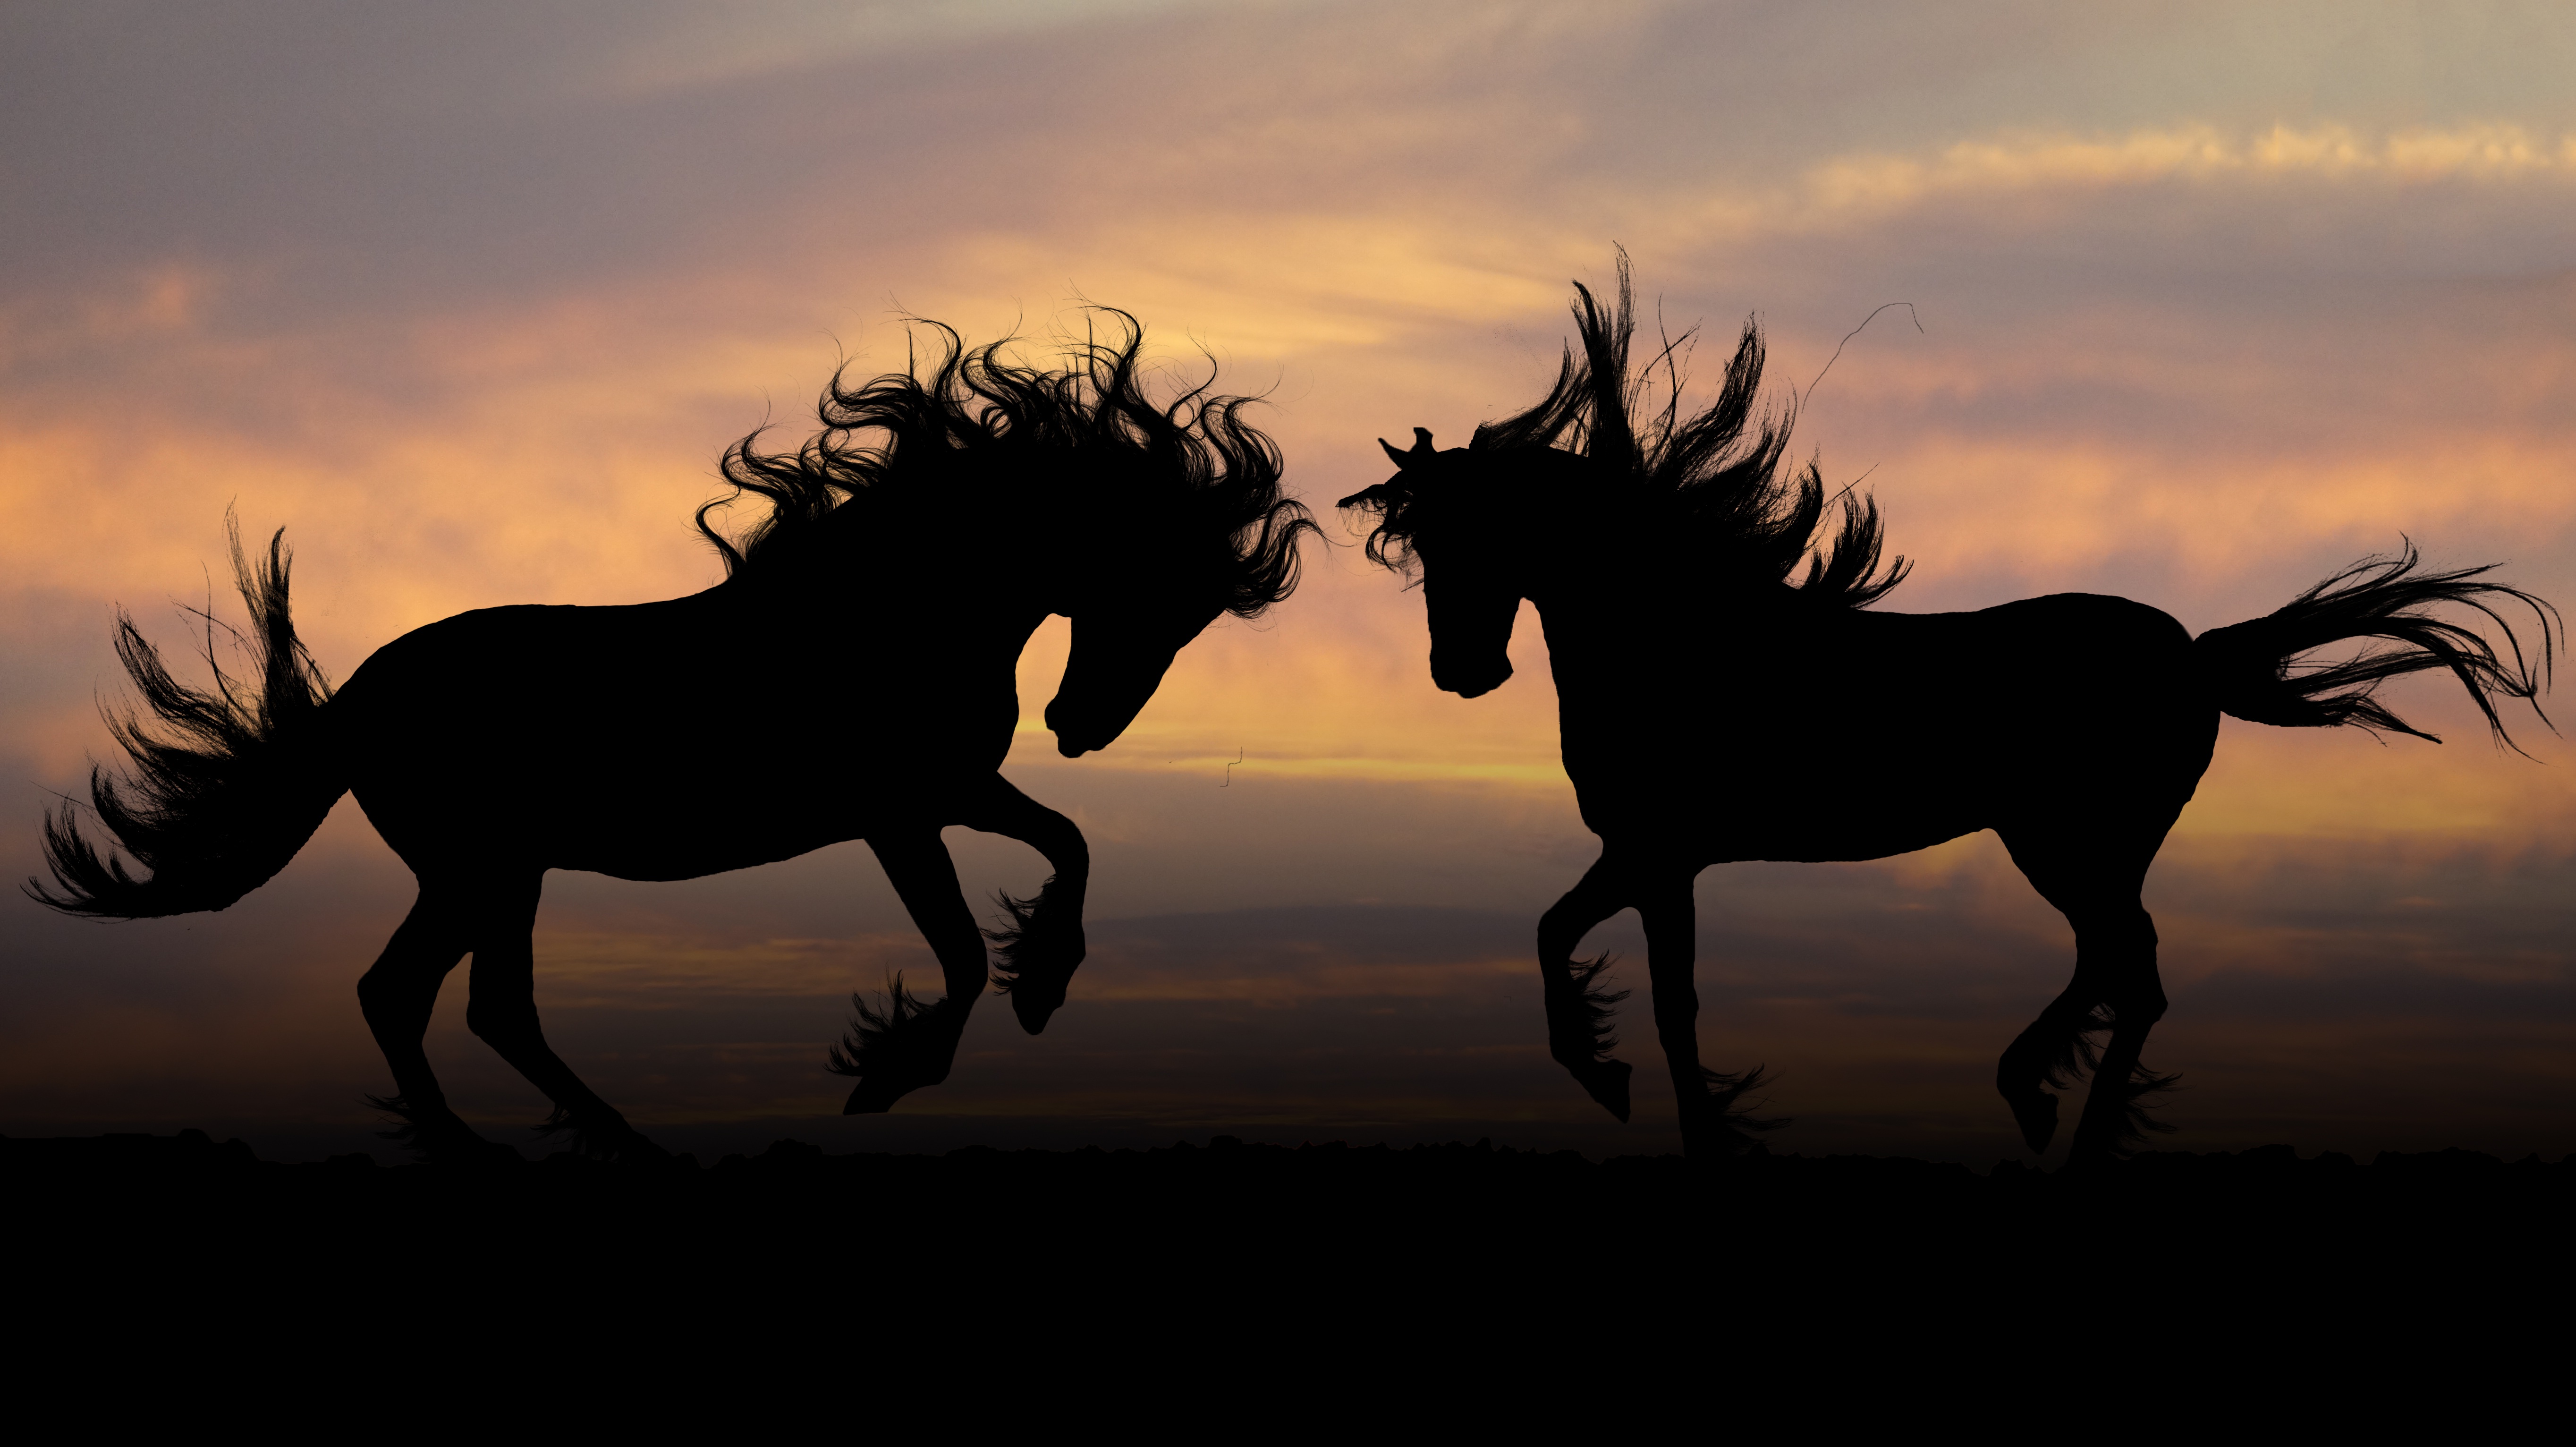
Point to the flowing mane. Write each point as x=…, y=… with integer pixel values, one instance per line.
x=1708, y=485
x=1192, y=464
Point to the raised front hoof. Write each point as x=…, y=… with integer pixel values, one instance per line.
x=2036, y=1114
x=1606, y=1081
x=1041, y=945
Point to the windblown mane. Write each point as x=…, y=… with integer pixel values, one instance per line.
x=1193, y=461
x=1708, y=485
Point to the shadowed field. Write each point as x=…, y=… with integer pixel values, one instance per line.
x=1319, y=1191
x=1190, y=1279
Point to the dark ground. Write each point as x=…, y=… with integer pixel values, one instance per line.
x=1419, y=1203
x=1239, y=1258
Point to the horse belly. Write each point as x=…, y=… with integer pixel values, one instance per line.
x=1867, y=838
x=1716, y=826
x=1802, y=774
x=573, y=739
x=1864, y=735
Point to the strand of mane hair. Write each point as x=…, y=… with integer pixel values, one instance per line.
x=1716, y=473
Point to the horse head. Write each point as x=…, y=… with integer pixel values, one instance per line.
x=1459, y=517
x=1215, y=541
x=1125, y=637
x=1029, y=460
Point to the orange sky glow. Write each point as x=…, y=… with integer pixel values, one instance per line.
x=2210, y=302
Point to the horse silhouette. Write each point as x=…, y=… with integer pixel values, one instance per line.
x=860, y=654
x=1710, y=709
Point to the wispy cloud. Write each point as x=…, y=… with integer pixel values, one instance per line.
x=1868, y=186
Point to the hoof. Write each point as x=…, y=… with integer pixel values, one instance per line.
x=1607, y=1083
x=599, y=1134
x=472, y=1152
x=628, y=1151
x=636, y=1153
x=2097, y=1147
x=879, y=1089
x=2036, y=1114
x=875, y=1097
x=901, y=1048
x=462, y=1149
x=2083, y=1164
x=438, y=1136
x=1715, y=1150
x=1041, y=945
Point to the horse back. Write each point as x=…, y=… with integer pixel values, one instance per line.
x=1855, y=734
x=655, y=741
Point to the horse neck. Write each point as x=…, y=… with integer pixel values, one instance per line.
x=1618, y=618
x=973, y=561
x=1586, y=602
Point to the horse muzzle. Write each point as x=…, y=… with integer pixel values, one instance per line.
x=1470, y=680
x=1079, y=731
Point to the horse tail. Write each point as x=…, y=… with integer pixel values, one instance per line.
x=2249, y=666
x=225, y=784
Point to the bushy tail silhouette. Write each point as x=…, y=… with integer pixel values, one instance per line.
x=226, y=783
x=2248, y=665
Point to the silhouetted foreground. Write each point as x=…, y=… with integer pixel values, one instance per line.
x=1283, y=1278
x=1387, y=1186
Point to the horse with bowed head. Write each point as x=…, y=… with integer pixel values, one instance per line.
x=861, y=649
x=1717, y=705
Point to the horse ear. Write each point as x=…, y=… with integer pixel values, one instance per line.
x=1422, y=448
x=1376, y=496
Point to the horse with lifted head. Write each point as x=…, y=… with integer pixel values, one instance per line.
x=2076, y=726
x=862, y=646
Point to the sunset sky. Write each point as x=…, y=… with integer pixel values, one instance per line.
x=2212, y=300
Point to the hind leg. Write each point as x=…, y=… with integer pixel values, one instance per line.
x=2116, y=987
x=503, y=1013
x=910, y=1044
x=2048, y=1056
x=1578, y=1011
x=2115, y=1117
x=398, y=995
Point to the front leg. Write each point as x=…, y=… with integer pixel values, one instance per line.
x=910, y=1044
x=1578, y=1010
x=1714, y=1124
x=1041, y=944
